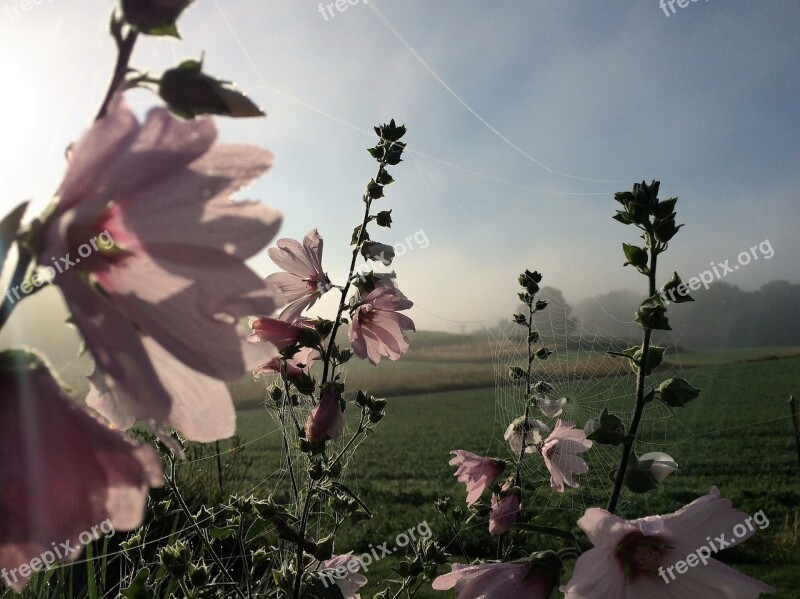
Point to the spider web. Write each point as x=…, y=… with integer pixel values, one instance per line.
x=580, y=370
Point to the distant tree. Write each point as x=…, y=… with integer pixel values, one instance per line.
x=612, y=313
x=560, y=316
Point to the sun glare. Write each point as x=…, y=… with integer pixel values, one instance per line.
x=19, y=105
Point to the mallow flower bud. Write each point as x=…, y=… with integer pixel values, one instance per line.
x=189, y=92
x=659, y=465
x=154, y=17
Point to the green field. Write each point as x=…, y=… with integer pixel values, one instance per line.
x=738, y=435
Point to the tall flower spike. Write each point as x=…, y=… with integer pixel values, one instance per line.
x=303, y=281
x=636, y=558
x=153, y=267
x=64, y=473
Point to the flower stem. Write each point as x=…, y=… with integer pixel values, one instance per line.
x=284, y=434
x=528, y=386
x=342, y=302
x=125, y=47
x=641, y=375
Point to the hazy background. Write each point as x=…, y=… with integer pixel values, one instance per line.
x=524, y=117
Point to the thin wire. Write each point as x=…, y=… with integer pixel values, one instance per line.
x=386, y=23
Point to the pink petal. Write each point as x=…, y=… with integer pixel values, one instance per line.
x=63, y=472
x=291, y=257
x=188, y=300
x=604, y=529
x=597, y=575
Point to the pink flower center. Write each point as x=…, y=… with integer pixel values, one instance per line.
x=641, y=554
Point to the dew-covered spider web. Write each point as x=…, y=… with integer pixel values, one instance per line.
x=580, y=370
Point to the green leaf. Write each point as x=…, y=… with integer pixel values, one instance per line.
x=677, y=392
x=258, y=528
x=384, y=218
x=655, y=355
x=676, y=291
x=356, y=233
x=611, y=430
x=218, y=532
x=384, y=178
x=517, y=373
x=665, y=208
x=168, y=30
x=639, y=480
x=346, y=490
x=665, y=229
x=374, y=190
x=138, y=587
x=635, y=255
x=623, y=218
x=189, y=92
x=652, y=314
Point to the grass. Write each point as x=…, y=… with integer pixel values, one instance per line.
x=737, y=435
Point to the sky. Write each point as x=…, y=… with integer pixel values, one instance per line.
x=524, y=118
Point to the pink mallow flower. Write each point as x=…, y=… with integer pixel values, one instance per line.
x=151, y=261
x=282, y=334
x=294, y=367
x=504, y=511
x=343, y=571
x=377, y=328
x=507, y=580
x=303, y=281
x=637, y=558
x=560, y=452
x=476, y=472
x=65, y=474
x=326, y=420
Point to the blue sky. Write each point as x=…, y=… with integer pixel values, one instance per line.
x=524, y=117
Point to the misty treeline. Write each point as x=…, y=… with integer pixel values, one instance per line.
x=724, y=316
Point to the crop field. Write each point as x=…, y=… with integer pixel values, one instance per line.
x=740, y=431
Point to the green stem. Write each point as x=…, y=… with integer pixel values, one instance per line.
x=518, y=479
x=641, y=375
x=125, y=51
x=286, y=400
x=302, y=535
x=342, y=302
